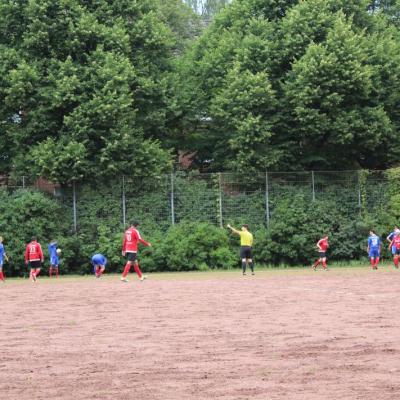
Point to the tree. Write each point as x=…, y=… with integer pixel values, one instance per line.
x=334, y=99
x=88, y=83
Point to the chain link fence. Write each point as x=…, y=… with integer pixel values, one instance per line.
x=216, y=198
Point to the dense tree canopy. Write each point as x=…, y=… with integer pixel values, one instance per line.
x=96, y=88
x=277, y=84
x=86, y=86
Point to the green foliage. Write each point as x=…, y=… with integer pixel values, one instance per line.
x=26, y=214
x=191, y=246
x=86, y=89
x=316, y=91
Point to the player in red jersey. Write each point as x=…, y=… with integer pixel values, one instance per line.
x=322, y=248
x=129, y=248
x=395, y=245
x=34, y=258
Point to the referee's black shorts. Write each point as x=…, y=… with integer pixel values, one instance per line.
x=246, y=252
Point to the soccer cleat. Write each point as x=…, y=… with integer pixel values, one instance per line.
x=124, y=280
x=253, y=273
x=143, y=277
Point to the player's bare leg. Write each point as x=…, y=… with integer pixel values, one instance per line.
x=324, y=264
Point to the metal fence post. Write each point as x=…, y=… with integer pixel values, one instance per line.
x=172, y=200
x=221, y=222
x=313, y=185
x=123, y=201
x=266, y=199
x=23, y=182
x=74, y=204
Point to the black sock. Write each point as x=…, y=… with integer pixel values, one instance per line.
x=244, y=266
x=251, y=264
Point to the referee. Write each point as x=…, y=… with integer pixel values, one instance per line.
x=246, y=245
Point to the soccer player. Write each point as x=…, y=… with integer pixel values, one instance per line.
x=246, y=247
x=54, y=260
x=396, y=244
x=99, y=264
x=322, y=246
x=130, y=248
x=374, y=249
x=34, y=258
x=3, y=256
x=390, y=237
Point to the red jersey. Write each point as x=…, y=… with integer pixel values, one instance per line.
x=396, y=242
x=33, y=252
x=131, y=239
x=323, y=244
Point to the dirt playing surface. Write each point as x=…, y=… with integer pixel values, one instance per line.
x=283, y=335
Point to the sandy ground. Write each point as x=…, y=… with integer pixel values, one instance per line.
x=291, y=335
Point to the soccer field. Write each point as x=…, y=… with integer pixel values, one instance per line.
x=278, y=335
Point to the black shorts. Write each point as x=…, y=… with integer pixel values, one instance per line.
x=131, y=256
x=35, y=264
x=246, y=252
x=322, y=254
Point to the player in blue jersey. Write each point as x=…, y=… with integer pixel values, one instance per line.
x=3, y=256
x=99, y=264
x=54, y=259
x=374, y=249
x=390, y=238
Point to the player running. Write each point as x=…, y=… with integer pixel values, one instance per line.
x=390, y=237
x=130, y=248
x=34, y=258
x=246, y=247
x=323, y=246
x=99, y=264
x=54, y=259
x=374, y=249
x=396, y=244
x=3, y=256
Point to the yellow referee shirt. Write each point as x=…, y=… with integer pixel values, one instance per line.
x=246, y=238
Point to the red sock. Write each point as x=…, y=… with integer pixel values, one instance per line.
x=376, y=261
x=396, y=261
x=1, y=276
x=50, y=272
x=372, y=261
x=324, y=264
x=126, y=270
x=99, y=272
x=316, y=263
x=137, y=270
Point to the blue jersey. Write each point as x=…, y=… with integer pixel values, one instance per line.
x=391, y=237
x=99, y=259
x=1, y=253
x=53, y=253
x=374, y=242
